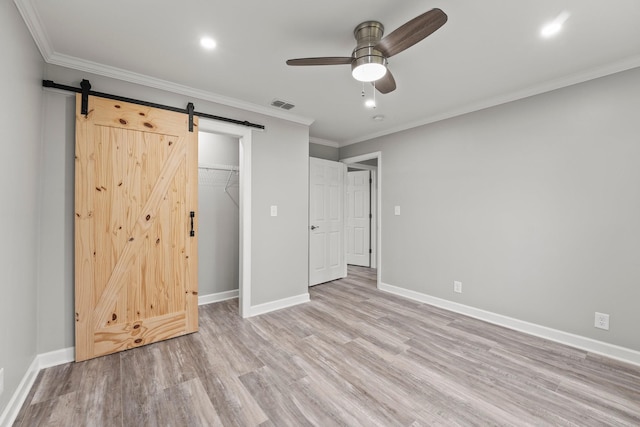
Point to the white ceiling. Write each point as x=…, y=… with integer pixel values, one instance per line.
x=489, y=52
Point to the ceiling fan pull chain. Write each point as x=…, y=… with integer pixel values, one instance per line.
x=363, y=89
x=374, y=95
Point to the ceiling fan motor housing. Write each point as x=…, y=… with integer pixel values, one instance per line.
x=368, y=34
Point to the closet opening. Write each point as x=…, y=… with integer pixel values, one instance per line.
x=219, y=217
x=242, y=137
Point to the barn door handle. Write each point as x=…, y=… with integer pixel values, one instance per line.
x=192, y=214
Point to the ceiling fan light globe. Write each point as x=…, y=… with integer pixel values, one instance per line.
x=369, y=72
x=368, y=67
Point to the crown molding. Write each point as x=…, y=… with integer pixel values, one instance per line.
x=321, y=141
x=34, y=24
x=573, y=79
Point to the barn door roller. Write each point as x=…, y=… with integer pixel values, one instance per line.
x=86, y=87
x=190, y=113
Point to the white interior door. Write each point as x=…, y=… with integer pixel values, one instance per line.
x=358, y=218
x=326, y=221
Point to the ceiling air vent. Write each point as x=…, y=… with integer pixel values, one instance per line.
x=285, y=105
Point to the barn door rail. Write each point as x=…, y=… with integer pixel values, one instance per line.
x=85, y=90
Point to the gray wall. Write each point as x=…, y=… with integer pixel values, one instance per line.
x=324, y=152
x=218, y=231
x=20, y=121
x=280, y=177
x=534, y=205
x=55, y=267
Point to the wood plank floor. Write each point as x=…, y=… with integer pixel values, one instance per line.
x=353, y=356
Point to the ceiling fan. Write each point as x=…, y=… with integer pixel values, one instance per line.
x=369, y=59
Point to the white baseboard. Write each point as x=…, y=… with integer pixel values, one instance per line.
x=13, y=407
x=588, y=344
x=256, y=310
x=41, y=361
x=55, y=358
x=217, y=297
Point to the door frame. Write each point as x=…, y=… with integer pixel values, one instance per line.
x=370, y=170
x=374, y=211
x=244, y=135
x=378, y=205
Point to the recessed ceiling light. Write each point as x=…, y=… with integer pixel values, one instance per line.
x=370, y=103
x=378, y=118
x=552, y=28
x=208, y=43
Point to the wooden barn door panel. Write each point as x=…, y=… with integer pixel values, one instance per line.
x=136, y=263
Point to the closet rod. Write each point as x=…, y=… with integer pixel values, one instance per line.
x=85, y=91
x=220, y=168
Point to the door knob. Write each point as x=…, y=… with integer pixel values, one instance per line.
x=313, y=227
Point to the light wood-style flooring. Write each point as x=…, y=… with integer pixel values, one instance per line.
x=353, y=356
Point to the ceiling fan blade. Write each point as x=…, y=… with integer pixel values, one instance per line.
x=386, y=84
x=329, y=60
x=412, y=32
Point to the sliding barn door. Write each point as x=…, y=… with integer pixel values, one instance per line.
x=136, y=266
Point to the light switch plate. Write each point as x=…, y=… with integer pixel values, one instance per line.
x=274, y=210
x=396, y=210
x=457, y=287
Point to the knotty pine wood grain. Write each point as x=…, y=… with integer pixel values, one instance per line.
x=136, y=265
x=353, y=356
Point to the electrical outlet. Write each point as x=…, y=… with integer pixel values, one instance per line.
x=457, y=287
x=602, y=321
x=274, y=210
x=1, y=381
